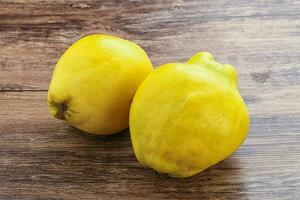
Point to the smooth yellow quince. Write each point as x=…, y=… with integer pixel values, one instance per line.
x=186, y=117
x=94, y=82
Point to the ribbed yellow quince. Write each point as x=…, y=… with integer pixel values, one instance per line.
x=186, y=117
x=94, y=82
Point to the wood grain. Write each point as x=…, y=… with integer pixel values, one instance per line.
x=43, y=158
x=256, y=37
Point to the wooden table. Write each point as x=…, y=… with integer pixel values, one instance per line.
x=43, y=158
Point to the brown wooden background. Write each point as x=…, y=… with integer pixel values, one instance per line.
x=43, y=158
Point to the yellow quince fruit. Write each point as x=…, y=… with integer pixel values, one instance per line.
x=186, y=117
x=94, y=82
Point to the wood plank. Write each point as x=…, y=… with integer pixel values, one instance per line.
x=258, y=37
x=43, y=158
